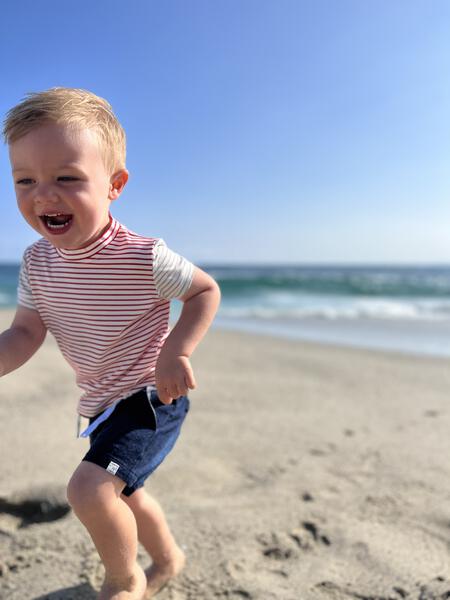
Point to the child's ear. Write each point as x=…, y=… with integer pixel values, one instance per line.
x=118, y=182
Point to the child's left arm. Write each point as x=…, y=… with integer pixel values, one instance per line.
x=174, y=375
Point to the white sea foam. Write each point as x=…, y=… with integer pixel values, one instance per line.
x=350, y=309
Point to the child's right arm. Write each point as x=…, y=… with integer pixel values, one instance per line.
x=21, y=340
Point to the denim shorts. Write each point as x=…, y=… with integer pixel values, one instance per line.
x=134, y=440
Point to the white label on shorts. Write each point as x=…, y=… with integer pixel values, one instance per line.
x=112, y=468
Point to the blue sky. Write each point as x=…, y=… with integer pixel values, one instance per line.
x=258, y=130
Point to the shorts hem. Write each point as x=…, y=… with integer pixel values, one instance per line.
x=129, y=490
x=122, y=473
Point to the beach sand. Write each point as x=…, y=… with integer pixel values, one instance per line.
x=303, y=471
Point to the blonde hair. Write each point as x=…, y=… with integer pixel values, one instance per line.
x=76, y=108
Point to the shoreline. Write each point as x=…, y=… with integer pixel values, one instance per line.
x=427, y=341
x=409, y=338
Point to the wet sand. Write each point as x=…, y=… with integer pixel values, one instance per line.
x=303, y=471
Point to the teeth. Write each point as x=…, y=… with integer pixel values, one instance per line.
x=56, y=226
x=50, y=218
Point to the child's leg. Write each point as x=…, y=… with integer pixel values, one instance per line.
x=94, y=495
x=156, y=537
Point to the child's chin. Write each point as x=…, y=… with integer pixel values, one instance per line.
x=59, y=241
x=54, y=239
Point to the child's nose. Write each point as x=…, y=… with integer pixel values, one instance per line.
x=45, y=192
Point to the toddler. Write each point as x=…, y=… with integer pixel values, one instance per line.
x=104, y=293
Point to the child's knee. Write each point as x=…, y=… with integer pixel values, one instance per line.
x=91, y=489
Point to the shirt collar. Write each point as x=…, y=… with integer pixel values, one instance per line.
x=95, y=246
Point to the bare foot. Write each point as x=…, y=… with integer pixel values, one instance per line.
x=158, y=575
x=132, y=589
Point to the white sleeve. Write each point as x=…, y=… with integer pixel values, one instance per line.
x=172, y=273
x=24, y=293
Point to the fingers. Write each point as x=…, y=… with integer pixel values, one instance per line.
x=167, y=393
x=189, y=380
x=164, y=395
x=174, y=378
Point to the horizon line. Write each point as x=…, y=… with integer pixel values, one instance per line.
x=309, y=264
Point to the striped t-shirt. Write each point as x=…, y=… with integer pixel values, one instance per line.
x=107, y=305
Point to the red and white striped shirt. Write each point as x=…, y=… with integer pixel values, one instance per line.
x=107, y=305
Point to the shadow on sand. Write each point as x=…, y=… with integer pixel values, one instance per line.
x=78, y=592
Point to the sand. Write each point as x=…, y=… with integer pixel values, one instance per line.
x=303, y=471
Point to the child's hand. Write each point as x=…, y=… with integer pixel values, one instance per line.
x=174, y=376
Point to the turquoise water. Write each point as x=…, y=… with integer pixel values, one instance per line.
x=8, y=284
x=334, y=292
x=402, y=308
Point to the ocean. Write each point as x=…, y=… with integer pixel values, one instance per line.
x=403, y=309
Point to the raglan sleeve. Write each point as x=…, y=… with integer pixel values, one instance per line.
x=172, y=273
x=24, y=293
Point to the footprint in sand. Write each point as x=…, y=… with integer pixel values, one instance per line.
x=431, y=413
x=284, y=546
x=436, y=589
x=278, y=546
x=326, y=451
x=35, y=505
x=313, y=530
x=307, y=497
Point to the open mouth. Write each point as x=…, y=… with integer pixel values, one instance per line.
x=57, y=222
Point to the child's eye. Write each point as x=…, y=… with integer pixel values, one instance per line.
x=24, y=181
x=67, y=178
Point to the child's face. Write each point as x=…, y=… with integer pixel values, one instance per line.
x=62, y=185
